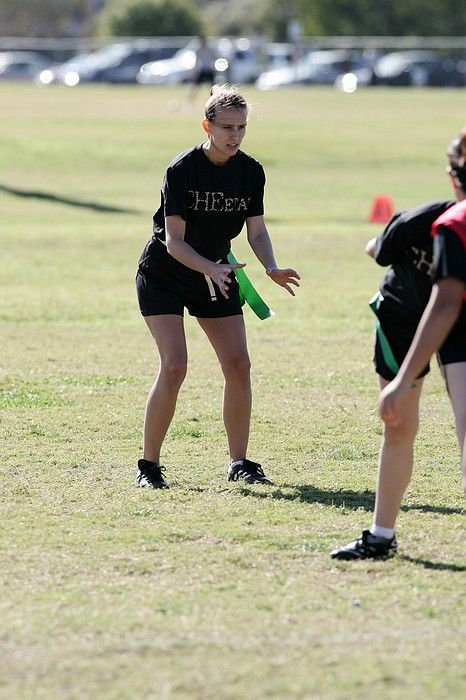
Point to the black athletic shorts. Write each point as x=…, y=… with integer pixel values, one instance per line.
x=157, y=296
x=454, y=348
x=399, y=333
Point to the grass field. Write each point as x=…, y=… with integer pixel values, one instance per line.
x=209, y=590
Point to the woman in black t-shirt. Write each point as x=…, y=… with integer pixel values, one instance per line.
x=209, y=192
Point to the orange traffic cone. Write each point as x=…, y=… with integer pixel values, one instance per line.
x=382, y=209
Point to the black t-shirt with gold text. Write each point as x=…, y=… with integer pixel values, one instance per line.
x=213, y=200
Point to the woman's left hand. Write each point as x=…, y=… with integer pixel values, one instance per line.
x=284, y=278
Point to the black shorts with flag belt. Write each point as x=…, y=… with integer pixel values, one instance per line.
x=161, y=291
x=400, y=334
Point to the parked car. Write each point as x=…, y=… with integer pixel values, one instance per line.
x=115, y=63
x=409, y=68
x=237, y=62
x=316, y=67
x=21, y=65
x=277, y=55
x=242, y=58
x=66, y=73
x=126, y=67
x=419, y=68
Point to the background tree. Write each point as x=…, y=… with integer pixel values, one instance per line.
x=364, y=17
x=268, y=18
x=44, y=18
x=238, y=18
x=275, y=16
x=382, y=17
x=150, y=18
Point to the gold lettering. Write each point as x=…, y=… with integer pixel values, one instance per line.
x=199, y=199
x=217, y=201
x=421, y=261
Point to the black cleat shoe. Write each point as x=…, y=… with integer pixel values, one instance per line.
x=367, y=547
x=251, y=472
x=150, y=475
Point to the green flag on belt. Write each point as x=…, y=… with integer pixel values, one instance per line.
x=387, y=352
x=247, y=292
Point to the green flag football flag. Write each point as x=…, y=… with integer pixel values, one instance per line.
x=387, y=352
x=247, y=292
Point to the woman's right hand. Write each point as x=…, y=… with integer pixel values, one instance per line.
x=392, y=399
x=220, y=274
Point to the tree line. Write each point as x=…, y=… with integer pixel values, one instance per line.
x=268, y=18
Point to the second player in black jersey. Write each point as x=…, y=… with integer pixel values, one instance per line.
x=422, y=267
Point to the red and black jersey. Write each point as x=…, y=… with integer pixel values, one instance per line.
x=449, y=233
x=449, y=236
x=454, y=219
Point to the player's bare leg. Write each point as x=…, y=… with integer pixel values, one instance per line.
x=228, y=338
x=455, y=377
x=168, y=333
x=396, y=459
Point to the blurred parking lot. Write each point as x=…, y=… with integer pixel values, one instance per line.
x=269, y=66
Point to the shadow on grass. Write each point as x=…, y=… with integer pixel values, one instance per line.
x=355, y=500
x=438, y=566
x=49, y=197
x=311, y=494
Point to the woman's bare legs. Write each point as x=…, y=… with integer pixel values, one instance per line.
x=396, y=459
x=168, y=333
x=455, y=378
x=228, y=338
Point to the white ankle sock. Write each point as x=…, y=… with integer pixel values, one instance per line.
x=386, y=532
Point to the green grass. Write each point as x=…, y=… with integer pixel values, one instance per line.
x=212, y=590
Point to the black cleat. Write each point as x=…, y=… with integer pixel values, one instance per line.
x=150, y=475
x=251, y=472
x=367, y=547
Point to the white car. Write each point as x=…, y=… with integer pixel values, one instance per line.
x=169, y=71
x=115, y=63
x=237, y=62
x=21, y=65
x=315, y=68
